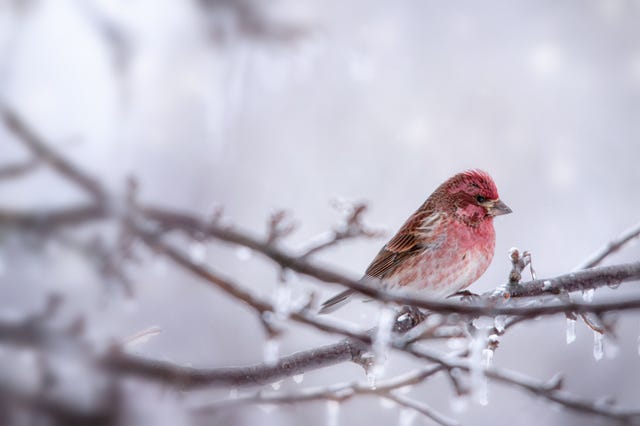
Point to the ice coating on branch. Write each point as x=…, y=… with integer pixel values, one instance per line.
x=333, y=413
x=587, y=295
x=571, y=330
x=598, y=345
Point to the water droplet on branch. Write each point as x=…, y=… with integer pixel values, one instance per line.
x=614, y=284
x=298, y=378
x=598, y=345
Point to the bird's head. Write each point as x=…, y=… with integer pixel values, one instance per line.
x=472, y=197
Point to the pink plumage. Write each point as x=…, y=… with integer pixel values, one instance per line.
x=443, y=247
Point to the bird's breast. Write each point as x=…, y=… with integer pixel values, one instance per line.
x=461, y=259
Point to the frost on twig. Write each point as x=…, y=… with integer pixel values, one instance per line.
x=518, y=264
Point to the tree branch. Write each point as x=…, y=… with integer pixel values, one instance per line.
x=32, y=141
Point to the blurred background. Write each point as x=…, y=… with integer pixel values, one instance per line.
x=261, y=106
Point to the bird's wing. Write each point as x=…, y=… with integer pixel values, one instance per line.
x=415, y=236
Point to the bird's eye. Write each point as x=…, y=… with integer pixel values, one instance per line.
x=480, y=199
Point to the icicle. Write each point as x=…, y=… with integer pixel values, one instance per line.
x=406, y=417
x=482, y=391
x=598, y=346
x=298, y=378
x=587, y=295
x=477, y=357
x=371, y=378
x=333, y=413
x=381, y=341
x=571, y=330
x=271, y=351
x=487, y=357
x=499, y=323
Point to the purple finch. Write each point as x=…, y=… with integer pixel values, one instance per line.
x=446, y=245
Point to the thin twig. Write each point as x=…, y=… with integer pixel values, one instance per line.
x=16, y=170
x=40, y=149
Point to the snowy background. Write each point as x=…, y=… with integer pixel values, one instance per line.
x=363, y=101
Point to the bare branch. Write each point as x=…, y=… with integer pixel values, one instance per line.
x=254, y=375
x=50, y=220
x=352, y=227
x=40, y=149
x=344, y=392
x=548, y=390
x=17, y=170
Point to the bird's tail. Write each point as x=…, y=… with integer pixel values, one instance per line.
x=336, y=302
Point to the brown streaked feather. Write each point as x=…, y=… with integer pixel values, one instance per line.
x=414, y=237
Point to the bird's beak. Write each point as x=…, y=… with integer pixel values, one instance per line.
x=497, y=208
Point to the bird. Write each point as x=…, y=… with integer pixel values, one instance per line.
x=444, y=246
